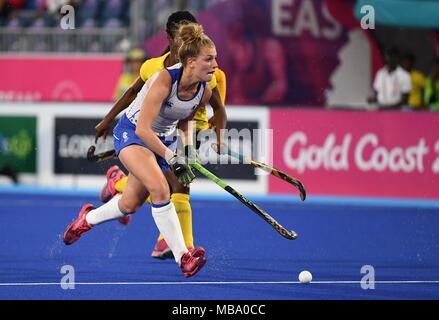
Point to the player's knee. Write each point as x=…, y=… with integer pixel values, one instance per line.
x=129, y=206
x=159, y=192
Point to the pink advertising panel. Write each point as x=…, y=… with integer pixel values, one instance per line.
x=380, y=154
x=65, y=78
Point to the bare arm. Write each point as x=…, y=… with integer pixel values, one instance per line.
x=221, y=88
x=157, y=93
x=186, y=125
x=219, y=114
x=101, y=130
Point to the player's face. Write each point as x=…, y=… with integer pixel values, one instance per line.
x=205, y=64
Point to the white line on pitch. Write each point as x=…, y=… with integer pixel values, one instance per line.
x=12, y=284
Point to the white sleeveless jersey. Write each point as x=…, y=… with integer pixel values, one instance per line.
x=173, y=109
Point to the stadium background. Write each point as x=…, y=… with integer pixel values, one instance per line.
x=302, y=59
x=302, y=68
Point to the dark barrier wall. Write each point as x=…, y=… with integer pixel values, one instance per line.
x=73, y=137
x=233, y=170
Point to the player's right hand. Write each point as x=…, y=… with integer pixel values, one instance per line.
x=181, y=169
x=101, y=130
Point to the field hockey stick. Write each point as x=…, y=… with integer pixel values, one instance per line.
x=110, y=154
x=291, y=235
x=275, y=172
x=103, y=156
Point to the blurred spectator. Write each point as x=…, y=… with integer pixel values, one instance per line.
x=392, y=84
x=115, y=13
x=258, y=60
x=54, y=6
x=432, y=88
x=416, y=98
x=134, y=61
x=17, y=4
x=5, y=9
x=88, y=11
x=13, y=19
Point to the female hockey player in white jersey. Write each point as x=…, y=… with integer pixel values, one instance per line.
x=145, y=142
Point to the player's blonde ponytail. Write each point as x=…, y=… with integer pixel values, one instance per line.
x=193, y=39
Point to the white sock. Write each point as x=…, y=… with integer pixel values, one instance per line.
x=166, y=219
x=106, y=212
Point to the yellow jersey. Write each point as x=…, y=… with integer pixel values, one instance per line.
x=418, y=83
x=221, y=84
x=125, y=81
x=154, y=65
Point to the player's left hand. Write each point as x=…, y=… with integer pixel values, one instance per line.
x=181, y=169
x=101, y=130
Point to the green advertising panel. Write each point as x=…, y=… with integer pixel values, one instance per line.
x=18, y=143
